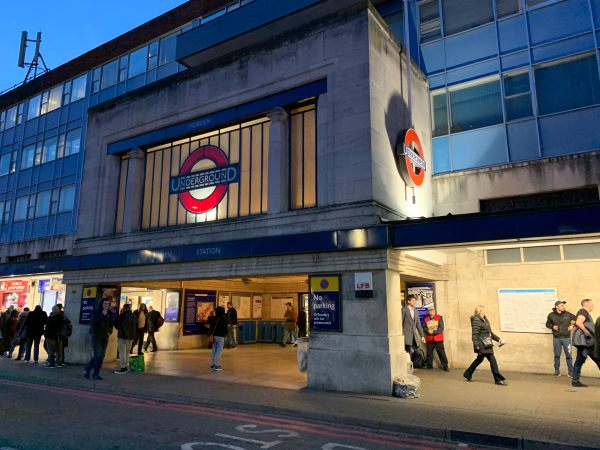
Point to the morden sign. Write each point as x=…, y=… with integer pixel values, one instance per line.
x=410, y=158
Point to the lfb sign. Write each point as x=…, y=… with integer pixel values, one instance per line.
x=410, y=158
x=204, y=179
x=363, y=284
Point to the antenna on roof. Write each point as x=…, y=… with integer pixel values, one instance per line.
x=34, y=68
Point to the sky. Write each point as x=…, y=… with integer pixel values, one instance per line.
x=69, y=28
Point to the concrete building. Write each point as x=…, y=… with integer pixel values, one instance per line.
x=262, y=152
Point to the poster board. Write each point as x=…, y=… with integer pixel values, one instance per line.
x=325, y=306
x=424, y=294
x=278, y=305
x=172, y=307
x=224, y=299
x=257, y=306
x=243, y=306
x=199, y=305
x=525, y=310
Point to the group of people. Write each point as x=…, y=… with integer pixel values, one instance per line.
x=295, y=324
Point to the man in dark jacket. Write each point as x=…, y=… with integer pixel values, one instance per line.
x=34, y=328
x=561, y=322
x=153, y=326
x=54, y=326
x=232, y=323
x=101, y=329
x=126, y=325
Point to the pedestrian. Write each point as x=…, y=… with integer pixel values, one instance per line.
x=561, y=322
x=301, y=322
x=100, y=329
x=34, y=329
x=126, y=325
x=218, y=331
x=142, y=326
x=53, y=339
x=584, y=340
x=9, y=329
x=65, y=333
x=290, y=325
x=20, y=338
x=434, y=337
x=483, y=345
x=155, y=321
x=232, y=323
x=411, y=325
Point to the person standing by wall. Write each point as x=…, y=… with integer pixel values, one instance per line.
x=411, y=325
x=584, y=340
x=301, y=322
x=218, y=330
x=101, y=329
x=232, y=323
x=53, y=338
x=126, y=325
x=155, y=321
x=483, y=345
x=34, y=329
x=561, y=322
x=142, y=326
x=290, y=325
x=434, y=337
x=9, y=330
x=20, y=338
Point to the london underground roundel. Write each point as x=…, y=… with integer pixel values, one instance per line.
x=204, y=179
x=410, y=158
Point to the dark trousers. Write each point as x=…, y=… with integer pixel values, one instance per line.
x=562, y=344
x=493, y=365
x=54, y=351
x=99, y=348
x=439, y=348
x=150, y=340
x=139, y=340
x=582, y=354
x=17, y=342
x=35, y=342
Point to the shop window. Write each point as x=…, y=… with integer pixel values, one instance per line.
x=73, y=142
x=78, y=88
x=460, y=15
x=539, y=254
x=439, y=107
x=49, y=150
x=303, y=160
x=27, y=159
x=475, y=104
x=137, y=62
x=42, y=207
x=567, y=84
x=429, y=20
x=11, y=117
x=67, y=198
x=581, y=251
x=109, y=74
x=504, y=256
x=34, y=107
x=21, y=208
x=517, y=96
x=507, y=8
x=55, y=98
x=166, y=52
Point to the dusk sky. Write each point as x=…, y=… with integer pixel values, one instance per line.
x=69, y=28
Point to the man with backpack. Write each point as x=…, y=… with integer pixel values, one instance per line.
x=155, y=321
x=53, y=337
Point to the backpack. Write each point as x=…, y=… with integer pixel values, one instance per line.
x=67, y=328
x=159, y=321
x=418, y=358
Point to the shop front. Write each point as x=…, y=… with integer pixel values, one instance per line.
x=28, y=291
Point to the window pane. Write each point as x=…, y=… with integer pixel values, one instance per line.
x=567, y=85
x=549, y=253
x=28, y=154
x=11, y=117
x=54, y=101
x=21, y=208
x=516, y=84
x=462, y=15
x=73, y=142
x=504, y=256
x=152, y=55
x=78, y=89
x=507, y=7
x=429, y=18
x=137, y=62
x=109, y=74
x=582, y=251
x=440, y=114
x=49, y=152
x=167, y=49
x=476, y=105
x=34, y=107
x=67, y=198
x=4, y=164
x=42, y=206
x=518, y=107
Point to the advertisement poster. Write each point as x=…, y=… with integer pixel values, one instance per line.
x=199, y=306
x=526, y=310
x=257, y=307
x=172, y=307
x=325, y=306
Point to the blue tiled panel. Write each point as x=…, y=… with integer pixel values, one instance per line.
x=522, y=140
x=437, y=81
x=570, y=132
x=560, y=20
x=567, y=47
x=473, y=71
x=512, y=33
x=17, y=231
x=515, y=60
x=52, y=119
x=8, y=136
x=473, y=46
x=40, y=227
x=168, y=69
x=69, y=165
x=596, y=12
x=136, y=82
x=478, y=148
x=441, y=155
x=76, y=110
x=107, y=94
x=432, y=57
x=31, y=127
x=63, y=223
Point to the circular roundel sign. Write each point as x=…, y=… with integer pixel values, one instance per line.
x=218, y=177
x=410, y=158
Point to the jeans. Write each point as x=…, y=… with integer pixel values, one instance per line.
x=289, y=335
x=217, y=349
x=152, y=341
x=562, y=343
x=231, y=338
x=582, y=354
x=439, y=348
x=35, y=341
x=139, y=340
x=99, y=347
x=124, y=345
x=493, y=365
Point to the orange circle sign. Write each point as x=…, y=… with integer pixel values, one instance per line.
x=411, y=158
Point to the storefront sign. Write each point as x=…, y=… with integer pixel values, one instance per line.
x=17, y=286
x=199, y=306
x=202, y=190
x=411, y=158
x=172, y=307
x=363, y=284
x=325, y=307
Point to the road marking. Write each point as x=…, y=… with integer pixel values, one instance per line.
x=282, y=433
x=331, y=446
x=252, y=441
x=191, y=445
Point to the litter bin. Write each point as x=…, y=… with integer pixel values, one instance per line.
x=302, y=353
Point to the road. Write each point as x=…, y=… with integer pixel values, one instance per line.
x=40, y=417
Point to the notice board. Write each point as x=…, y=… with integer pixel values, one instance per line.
x=525, y=310
x=199, y=306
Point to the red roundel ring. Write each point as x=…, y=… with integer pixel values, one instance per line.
x=195, y=205
x=412, y=174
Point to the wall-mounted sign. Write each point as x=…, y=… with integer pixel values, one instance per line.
x=325, y=306
x=363, y=284
x=204, y=178
x=525, y=310
x=17, y=286
x=172, y=307
x=199, y=306
x=257, y=307
x=88, y=302
x=410, y=158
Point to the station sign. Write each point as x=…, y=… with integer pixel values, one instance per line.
x=410, y=158
x=325, y=306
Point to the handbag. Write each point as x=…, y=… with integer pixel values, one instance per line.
x=211, y=338
x=487, y=342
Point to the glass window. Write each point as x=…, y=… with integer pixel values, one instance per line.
x=73, y=142
x=96, y=80
x=60, y=147
x=475, y=104
x=34, y=107
x=5, y=164
x=11, y=117
x=460, y=15
x=6, y=214
x=28, y=154
x=67, y=198
x=429, y=20
x=31, y=206
x=152, y=55
x=303, y=184
x=548, y=253
x=567, y=84
x=49, y=152
x=37, y=160
x=507, y=7
x=166, y=52
x=13, y=162
x=78, y=88
x=2, y=206
x=504, y=256
x=538, y=2
x=67, y=93
x=2, y=120
x=582, y=251
x=54, y=200
x=20, y=111
x=109, y=74
x=123, y=62
x=44, y=103
x=55, y=98
x=137, y=62
x=517, y=96
x=42, y=206
x=440, y=113
x=21, y=208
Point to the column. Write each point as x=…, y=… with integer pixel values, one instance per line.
x=79, y=350
x=278, y=181
x=134, y=191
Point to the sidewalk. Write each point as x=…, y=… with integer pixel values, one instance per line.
x=534, y=407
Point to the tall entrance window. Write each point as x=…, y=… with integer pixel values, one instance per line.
x=303, y=157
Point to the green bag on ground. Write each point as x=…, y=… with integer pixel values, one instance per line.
x=136, y=363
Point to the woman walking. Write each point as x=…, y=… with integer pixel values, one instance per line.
x=483, y=345
x=218, y=331
x=142, y=326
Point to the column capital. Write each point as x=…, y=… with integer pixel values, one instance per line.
x=277, y=114
x=136, y=153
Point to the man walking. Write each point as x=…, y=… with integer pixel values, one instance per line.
x=561, y=322
x=126, y=325
x=411, y=325
x=232, y=323
x=155, y=321
x=34, y=329
x=434, y=337
x=584, y=340
x=101, y=329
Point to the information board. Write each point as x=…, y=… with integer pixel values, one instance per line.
x=424, y=293
x=199, y=305
x=525, y=310
x=279, y=305
x=257, y=307
x=88, y=302
x=325, y=305
x=172, y=307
